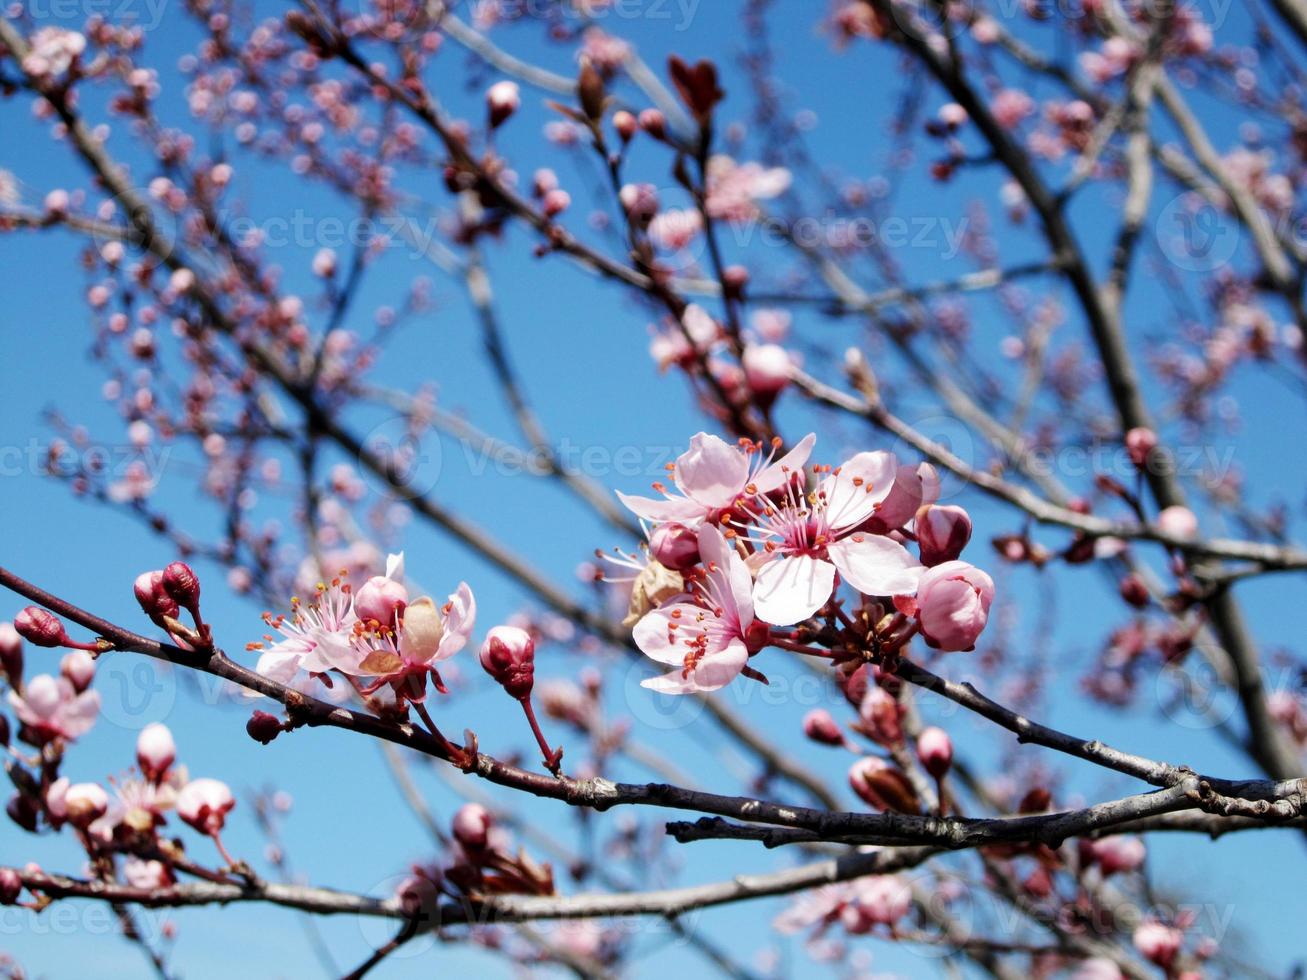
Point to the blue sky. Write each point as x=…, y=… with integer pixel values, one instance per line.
x=582, y=346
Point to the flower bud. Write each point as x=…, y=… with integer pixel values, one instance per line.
x=626, y=125
x=508, y=655
x=85, y=803
x=881, y=716
x=4, y=732
x=654, y=123
x=675, y=546
x=935, y=750
x=734, y=279
x=819, y=726
x=953, y=602
x=555, y=202
x=502, y=99
x=204, y=804
x=40, y=627
x=1134, y=591
x=1119, y=853
x=79, y=669
x=22, y=811
x=11, y=886
x=183, y=587
x=379, y=599
x=1178, y=522
x=153, y=599
x=1158, y=943
x=882, y=786
x=640, y=201
x=471, y=826
x=263, y=727
x=155, y=751
x=943, y=530
x=1139, y=443
x=767, y=369
x=11, y=654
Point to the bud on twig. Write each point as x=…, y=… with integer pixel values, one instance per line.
x=42, y=628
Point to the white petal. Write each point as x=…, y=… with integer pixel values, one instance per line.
x=791, y=589
x=875, y=565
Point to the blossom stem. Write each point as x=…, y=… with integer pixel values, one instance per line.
x=222, y=850
x=553, y=757
x=436, y=733
x=785, y=644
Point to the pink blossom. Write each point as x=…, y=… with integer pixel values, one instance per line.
x=1098, y=968
x=935, y=750
x=508, y=655
x=1119, y=853
x=1011, y=106
x=674, y=546
x=952, y=605
x=84, y=803
x=733, y=189
x=820, y=726
x=322, y=624
x=471, y=826
x=703, y=636
x=713, y=476
x=942, y=530
x=155, y=750
x=383, y=596
x=79, y=668
x=875, y=900
x=811, y=538
x=1158, y=943
x=675, y=228
x=1178, y=521
x=50, y=708
x=503, y=99
x=204, y=804
x=767, y=368
x=51, y=51
x=141, y=873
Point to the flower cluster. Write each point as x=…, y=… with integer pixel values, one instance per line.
x=748, y=545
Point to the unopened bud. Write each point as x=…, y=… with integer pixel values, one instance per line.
x=675, y=546
x=508, y=655
x=502, y=100
x=882, y=786
x=40, y=627
x=640, y=201
x=767, y=369
x=942, y=530
x=626, y=125
x=183, y=587
x=78, y=668
x=555, y=202
x=153, y=599
x=935, y=750
x=11, y=886
x=1139, y=443
x=263, y=727
x=819, y=726
x=204, y=804
x=22, y=811
x=471, y=826
x=1134, y=591
x=155, y=751
x=11, y=654
x=654, y=123
x=85, y=803
x=734, y=279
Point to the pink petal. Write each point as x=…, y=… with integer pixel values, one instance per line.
x=876, y=565
x=655, y=637
x=458, y=623
x=789, y=590
x=714, y=671
x=775, y=475
x=853, y=493
x=712, y=471
x=660, y=511
x=79, y=715
x=716, y=549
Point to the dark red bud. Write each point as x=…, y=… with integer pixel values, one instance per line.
x=263, y=727
x=40, y=627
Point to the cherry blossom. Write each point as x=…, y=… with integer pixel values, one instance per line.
x=50, y=708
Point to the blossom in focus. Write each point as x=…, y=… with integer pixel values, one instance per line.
x=713, y=476
x=204, y=804
x=704, y=636
x=812, y=538
x=952, y=605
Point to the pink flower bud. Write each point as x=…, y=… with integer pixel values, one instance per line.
x=935, y=750
x=11, y=886
x=1178, y=522
x=11, y=654
x=155, y=751
x=654, y=123
x=819, y=726
x=1158, y=943
x=943, y=530
x=204, y=804
x=1119, y=853
x=1139, y=442
x=881, y=716
x=85, y=803
x=508, y=655
x=472, y=825
x=734, y=279
x=263, y=727
x=379, y=599
x=555, y=202
x=882, y=786
x=22, y=811
x=324, y=263
x=640, y=201
x=1134, y=591
x=183, y=587
x=626, y=125
x=153, y=599
x=675, y=546
x=40, y=627
x=79, y=668
x=502, y=99
x=767, y=369
x=953, y=605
